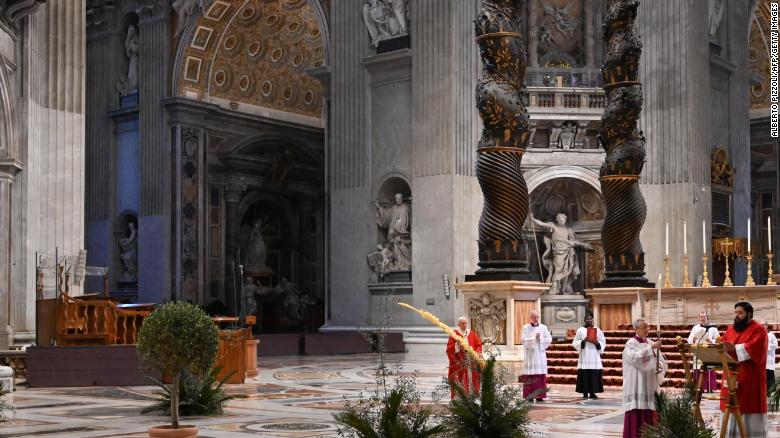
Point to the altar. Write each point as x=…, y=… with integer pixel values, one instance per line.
x=681, y=305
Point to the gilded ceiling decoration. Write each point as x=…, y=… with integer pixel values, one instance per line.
x=758, y=55
x=255, y=52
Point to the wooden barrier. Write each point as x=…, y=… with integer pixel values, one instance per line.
x=97, y=321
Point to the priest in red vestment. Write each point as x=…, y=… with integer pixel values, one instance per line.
x=746, y=341
x=463, y=370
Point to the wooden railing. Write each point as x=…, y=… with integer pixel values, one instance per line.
x=96, y=321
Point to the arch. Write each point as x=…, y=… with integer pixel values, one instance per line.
x=376, y=192
x=759, y=53
x=8, y=143
x=283, y=141
x=541, y=176
x=254, y=56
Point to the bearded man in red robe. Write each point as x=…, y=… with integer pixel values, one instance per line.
x=746, y=342
x=464, y=371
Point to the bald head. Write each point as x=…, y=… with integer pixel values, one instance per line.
x=533, y=316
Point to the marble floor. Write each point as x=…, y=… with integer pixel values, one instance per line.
x=291, y=397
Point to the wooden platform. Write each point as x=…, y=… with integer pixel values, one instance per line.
x=114, y=365
x=318, y=344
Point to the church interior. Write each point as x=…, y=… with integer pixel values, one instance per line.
x=293, y=170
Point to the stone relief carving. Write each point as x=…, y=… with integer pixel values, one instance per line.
x=489, y=315
x=565, y=314
x=560, y=257
x=184, y=9
x=129, y=84
x=129, y=254
x=557, y=18
x=254, y=251
x=715, y=15
x=385, y=19
x=397, y=221
x=568, y=135
x=294, y=300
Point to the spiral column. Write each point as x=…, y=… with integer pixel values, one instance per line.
x=503, y=249
x=624, y=144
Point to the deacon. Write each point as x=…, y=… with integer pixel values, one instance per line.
x=643, y=372
x=463, y=371
x=590, y=342
x=770, y=358
x=703, y=333
x=536, y=338
x=746, y=342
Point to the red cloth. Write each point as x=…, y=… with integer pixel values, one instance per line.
x=751, y=377
x=635, y=419
x=532, y=383
x=459, y=365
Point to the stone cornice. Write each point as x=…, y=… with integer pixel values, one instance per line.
x=9, y=167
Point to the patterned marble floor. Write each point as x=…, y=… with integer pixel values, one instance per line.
x=291, y=397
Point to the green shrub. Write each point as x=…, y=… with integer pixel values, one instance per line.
x=498, y=411
x=676, y=418
x=178, y=338
x=197, y=395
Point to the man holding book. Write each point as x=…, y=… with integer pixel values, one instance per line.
x=590, y=342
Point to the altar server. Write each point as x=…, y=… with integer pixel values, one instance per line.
x=770, y=357
x=536, y=338
x=590, y=342
x=703, y=333
x=643, y=372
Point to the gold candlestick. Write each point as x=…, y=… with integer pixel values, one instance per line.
x=769, y=280
x=749, y=281
x=705, y=278
x=686, y=281
x=668, y=279
x=727, y=281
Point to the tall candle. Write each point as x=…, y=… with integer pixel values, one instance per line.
x=667, y=239
x=748, y=235
x=658, y=322
x=704, y=237
x=769, y=231
x=685, y=237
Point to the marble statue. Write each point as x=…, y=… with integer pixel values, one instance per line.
x=715, y=15
x=490, y=316
x=184, y=9
x=559, y=257
x=385, y=19
x=250, y=301
x=397, y=220
x=381, y=261
x=568, y=133
x=291, y=299
x=255, y=253
x=129, y=84
x=129, y=254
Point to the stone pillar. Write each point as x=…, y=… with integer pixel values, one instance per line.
x=155, y=215
x=533, y=34
x=590, y=50
x=675, y=122
x=6, y=180
x=233, y=193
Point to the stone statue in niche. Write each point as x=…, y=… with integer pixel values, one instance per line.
x=254, y=252
x=715, y=15
x=129, y=84
x=561, y=17
x=381, y=262
x=560, y=257
x=129, y=254
x=184, y=9
x=396, y=220
x=250, y=301
x=568, y=134
x=385, y=19
x=490, y=316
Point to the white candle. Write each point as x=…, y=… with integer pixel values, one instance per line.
x=658, y=321
x=748, y=235
x=667, y=239
x=685, y=237
x=704, y=237
x=769, y=231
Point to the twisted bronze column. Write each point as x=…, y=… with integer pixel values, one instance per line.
x=503, y=249
x=624, y=144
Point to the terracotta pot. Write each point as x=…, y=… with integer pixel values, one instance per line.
x=184, y=431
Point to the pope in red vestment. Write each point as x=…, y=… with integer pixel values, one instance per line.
x=746, y=341
x=463, y=371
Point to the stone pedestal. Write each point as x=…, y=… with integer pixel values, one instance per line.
x=563, y=312
x=513, y=293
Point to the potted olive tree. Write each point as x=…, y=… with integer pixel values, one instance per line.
x=177, y=338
